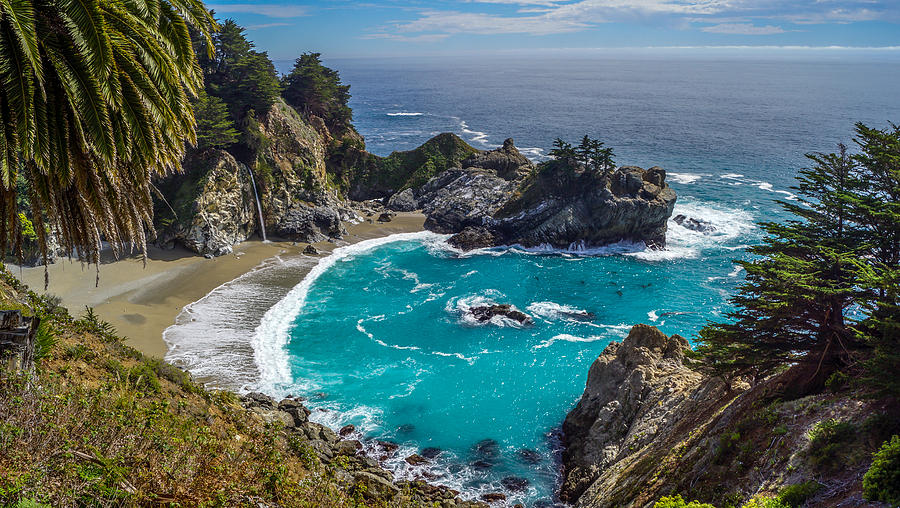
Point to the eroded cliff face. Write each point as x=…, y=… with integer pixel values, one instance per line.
x=649, y=426
x=211, y=205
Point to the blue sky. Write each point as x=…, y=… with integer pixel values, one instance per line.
x=339, y=28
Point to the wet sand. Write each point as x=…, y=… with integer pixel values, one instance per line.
x=142, y=301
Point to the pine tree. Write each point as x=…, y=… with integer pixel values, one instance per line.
x=317, y=90
x=793, y=305
x=214, y=126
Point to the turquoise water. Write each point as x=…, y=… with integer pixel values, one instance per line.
x=379, y=337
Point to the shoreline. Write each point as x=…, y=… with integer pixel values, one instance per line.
x=141, y=302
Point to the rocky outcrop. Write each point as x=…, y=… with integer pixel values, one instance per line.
x=485, y=313
x=507, y=161
x=403, y=201
x=501, y=198
x=347, y=459
x=634, y=390
x=648, y=426
x=211, y=205
x=460, y=198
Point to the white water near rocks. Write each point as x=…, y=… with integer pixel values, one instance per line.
x=262, y=225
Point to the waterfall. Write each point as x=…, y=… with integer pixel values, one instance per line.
x=262, y=226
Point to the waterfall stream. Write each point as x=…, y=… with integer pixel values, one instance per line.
x=262, y=226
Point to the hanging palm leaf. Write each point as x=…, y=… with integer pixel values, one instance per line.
x=93, y=104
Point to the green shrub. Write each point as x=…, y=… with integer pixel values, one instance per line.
x=828, y=441
x=797, y=494
x=882, y=481
x=679, y=502
x=44, y=340
x=765, y=502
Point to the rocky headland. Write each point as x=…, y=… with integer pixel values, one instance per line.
x=649, y=425
x=499, y=197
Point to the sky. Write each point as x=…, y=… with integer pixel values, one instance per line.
x=347, y=28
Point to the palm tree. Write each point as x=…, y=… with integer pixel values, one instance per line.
x=93, y=103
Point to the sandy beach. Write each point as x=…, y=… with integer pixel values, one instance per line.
x=142, y=301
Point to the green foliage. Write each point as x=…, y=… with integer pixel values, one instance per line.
x=765, y=502
x=95, y=104
x=882, y=481
x=679, y=502
x=589, y=152
x=317, y=90
x=215, y=129
x=381, y=176
x=795, y=495
x=45, y=340
x=829, y=444
x=839, y=251
x=243, y=78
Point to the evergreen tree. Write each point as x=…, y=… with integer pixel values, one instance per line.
x=245, y=79
x=317, y=90
x=214, y=126
x=793, y=305
x=562, y=150
x=876, y=208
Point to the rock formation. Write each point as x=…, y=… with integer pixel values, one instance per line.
x=485, y=313
x=211, y=205
x=633, y=390
x=502, y=199
x=649, y=426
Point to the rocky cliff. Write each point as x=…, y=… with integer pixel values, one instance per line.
x=648, y=426
x=212, y=205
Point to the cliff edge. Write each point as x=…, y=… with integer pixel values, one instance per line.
x=649, y=426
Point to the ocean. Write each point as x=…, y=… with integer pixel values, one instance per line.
x=377, y=334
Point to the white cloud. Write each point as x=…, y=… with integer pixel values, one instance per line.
x=743, y=29
x=269, y=10
x=741, y=17
x=267, y=25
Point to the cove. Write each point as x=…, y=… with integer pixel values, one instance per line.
x=378, y=336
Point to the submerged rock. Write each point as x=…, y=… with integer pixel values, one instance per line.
x=485, y=313
x=515, y=483
x=699, y=225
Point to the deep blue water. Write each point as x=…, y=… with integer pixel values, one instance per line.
x=377, y=334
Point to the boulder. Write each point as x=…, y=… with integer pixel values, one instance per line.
x=699, y=225
x=485, y=313
x=386, y=217
x=310, y=224
x=310, y=250
x=416, y=460
x=346, y=430
x=403, y=201
x=375, y=487
x=472, y=237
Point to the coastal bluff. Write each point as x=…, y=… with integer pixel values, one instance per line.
x=652, y=423
x=499, y=197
